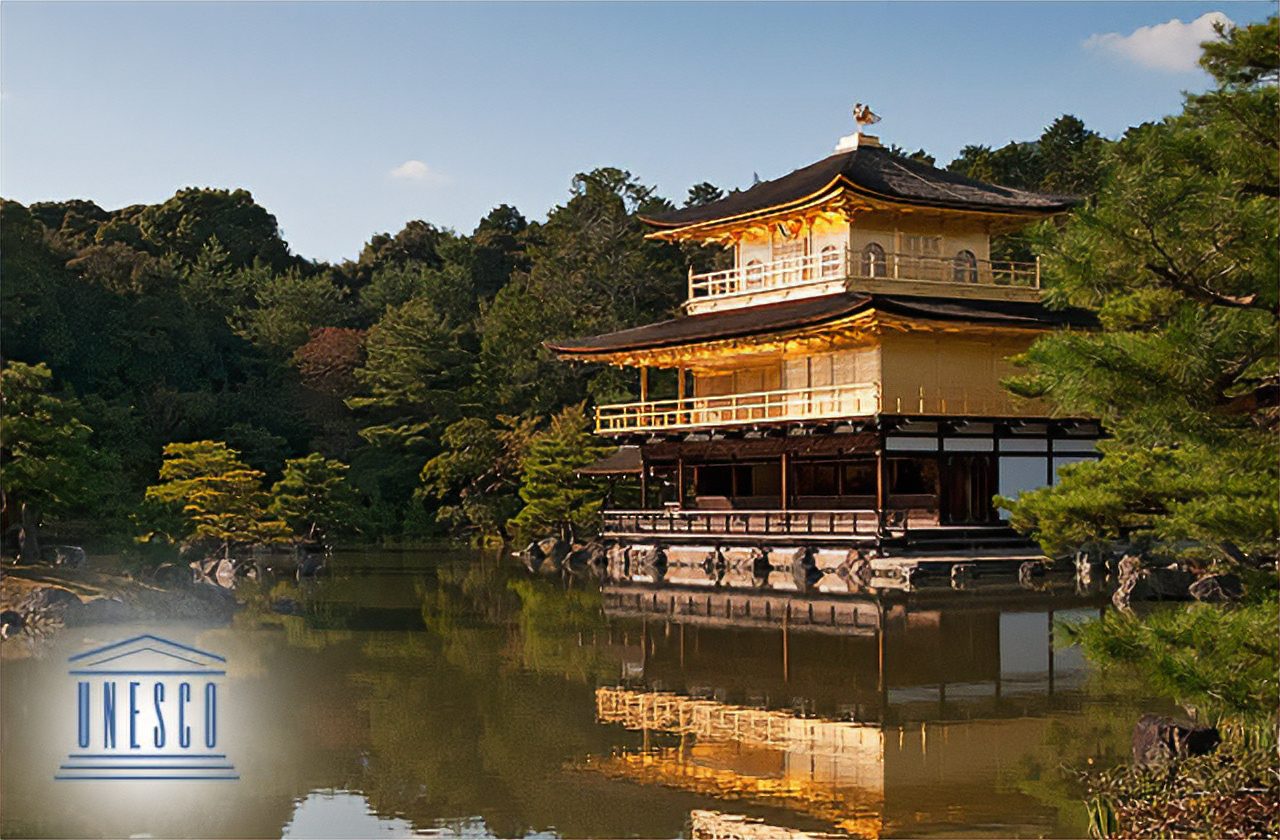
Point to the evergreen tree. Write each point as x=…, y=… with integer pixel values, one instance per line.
x=592, y=270
x=286, y=308
x=218, y=497
x=414, y=371
x=313, y=497
x=555, y=498
x=1179, y=257
x=477, y=474
x=50, y=467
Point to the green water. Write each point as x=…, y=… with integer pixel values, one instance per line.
x=448, y=693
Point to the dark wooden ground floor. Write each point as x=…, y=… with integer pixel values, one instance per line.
x=845, y=480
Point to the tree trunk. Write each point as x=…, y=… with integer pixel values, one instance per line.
x=29, y=535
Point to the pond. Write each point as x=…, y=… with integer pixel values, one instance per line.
x=449, y=693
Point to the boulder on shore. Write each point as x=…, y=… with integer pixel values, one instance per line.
x=1217, y=588
x=1158, y=583
x=587, y=559
x=1158, y=740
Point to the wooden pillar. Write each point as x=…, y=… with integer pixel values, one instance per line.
x=680, y=481
x=786, y=646
x=644, y=482
x=882, y=495
x=644, y=384
x=786, y=483
x=680, y=417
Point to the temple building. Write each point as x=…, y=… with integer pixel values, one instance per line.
x=840, y=385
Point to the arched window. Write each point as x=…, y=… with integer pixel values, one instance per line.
x=754, y=274
x=829, y=262
x=965, y=267
x=873, y=261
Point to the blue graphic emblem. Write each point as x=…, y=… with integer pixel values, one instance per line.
x=147, y=709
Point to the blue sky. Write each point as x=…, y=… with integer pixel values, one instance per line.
x=349, y=119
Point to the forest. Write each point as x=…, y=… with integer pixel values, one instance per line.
x=154, y=354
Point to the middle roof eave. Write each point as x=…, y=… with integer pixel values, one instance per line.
x=710, y=326
x=812, y=312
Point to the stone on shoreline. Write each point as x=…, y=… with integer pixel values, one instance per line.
x=1158, y=583
x=1158, y=740
x=1217, y=588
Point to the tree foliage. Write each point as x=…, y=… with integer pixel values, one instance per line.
x=555, y=497
x=313, y=497
x=1179, y=257
x=50, y=465
x=477, y=474
x=218, y=497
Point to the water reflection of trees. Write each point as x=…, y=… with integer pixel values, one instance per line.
x=480, y=711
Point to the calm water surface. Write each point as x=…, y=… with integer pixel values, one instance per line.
x=448, y=693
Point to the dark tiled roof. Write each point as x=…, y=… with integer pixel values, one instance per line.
x=625, y=461
x=790, y=315
x=875, y=171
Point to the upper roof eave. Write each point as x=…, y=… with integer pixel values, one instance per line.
x=871, y=173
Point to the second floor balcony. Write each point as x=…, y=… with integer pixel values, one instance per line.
x=871, y=269
x=831, y=403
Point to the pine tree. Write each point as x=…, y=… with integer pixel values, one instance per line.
x=1179, y=257
x=555, y=497
x=220, y=498
x=49, y=464
x=313, y=497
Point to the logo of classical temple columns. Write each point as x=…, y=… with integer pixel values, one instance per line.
x=147, y=710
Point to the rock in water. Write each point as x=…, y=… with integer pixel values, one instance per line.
x=225, y=573
x=1217, y=588
x=71, y=556
x=1031, y=572
x=554, y=550
x=1158, y=740
x=588, y=559
x=11, y=623
x=532, y=557
x=169, y=575
x=1167, y=583
x=311, y=565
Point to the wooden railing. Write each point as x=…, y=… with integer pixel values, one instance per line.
x=952, y=271
x=862, y=400
x=837, y=264
x=786, y=273
x=800, y=404
x=747, y=522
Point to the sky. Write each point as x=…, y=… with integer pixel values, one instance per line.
x=345, y=120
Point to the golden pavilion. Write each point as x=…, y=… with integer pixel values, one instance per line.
x=840, y=385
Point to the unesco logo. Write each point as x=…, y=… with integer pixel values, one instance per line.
x=147, y=710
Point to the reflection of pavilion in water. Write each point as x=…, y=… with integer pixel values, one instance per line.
x=898, y=719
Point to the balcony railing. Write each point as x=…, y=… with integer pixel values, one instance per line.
x=786, y=273
x=848, y=523
x=833, y=265
x=798, y=404
x=861, y=400
x=954, y=271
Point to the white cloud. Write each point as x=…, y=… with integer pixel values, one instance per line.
x=1173, y=46
x=414, y=170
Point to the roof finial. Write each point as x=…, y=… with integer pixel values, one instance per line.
x=863, y=116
